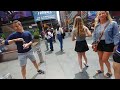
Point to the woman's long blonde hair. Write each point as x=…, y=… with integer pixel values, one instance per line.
x=78, y=24
x=97, y=20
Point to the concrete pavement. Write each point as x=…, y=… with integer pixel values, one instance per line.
x=57, y=65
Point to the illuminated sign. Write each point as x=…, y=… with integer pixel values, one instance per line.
x=44, y=15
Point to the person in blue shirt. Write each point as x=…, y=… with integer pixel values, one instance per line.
x=116, y=57
x=107, y=42
x=23, y=40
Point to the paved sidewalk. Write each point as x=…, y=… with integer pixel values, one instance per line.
x=65, y=65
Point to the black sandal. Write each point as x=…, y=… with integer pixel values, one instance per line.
x=108, y=75
x=99, y=72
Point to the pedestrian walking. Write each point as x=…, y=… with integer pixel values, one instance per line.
x=80, y=32
x=59, y=33
x=23, y=40
x=104, y=39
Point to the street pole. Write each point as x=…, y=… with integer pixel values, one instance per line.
x=51, y=23
x=41, y=23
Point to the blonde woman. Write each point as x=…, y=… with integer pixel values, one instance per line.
x=80, y=32
x=108, y=28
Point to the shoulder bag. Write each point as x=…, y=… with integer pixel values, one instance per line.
x=95, y=44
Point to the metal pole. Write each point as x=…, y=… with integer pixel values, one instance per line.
x=41, y=23
x=51, y=23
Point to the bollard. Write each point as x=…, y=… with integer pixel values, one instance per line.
x=40, y=55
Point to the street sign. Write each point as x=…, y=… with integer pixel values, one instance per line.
x=44, y=15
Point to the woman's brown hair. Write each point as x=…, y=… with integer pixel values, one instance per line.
x=79, y=26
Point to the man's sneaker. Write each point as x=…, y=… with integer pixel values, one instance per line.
x=41, y=72
x=51, y=50
x=61, y=50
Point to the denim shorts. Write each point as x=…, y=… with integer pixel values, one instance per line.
x=22, y=57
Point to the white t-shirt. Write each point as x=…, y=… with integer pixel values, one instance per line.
x=102, y=26
x=49, y=35
x=59, y=31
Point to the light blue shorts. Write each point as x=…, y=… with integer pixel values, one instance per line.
x=22, y=57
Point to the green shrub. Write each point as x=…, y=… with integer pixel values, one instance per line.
x=3, y=36
x=36, y=34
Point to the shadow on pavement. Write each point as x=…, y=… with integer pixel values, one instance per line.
x=82, y=75
x=38, y=76
x=35, y=76
x=100, y=76
x=49, y=52
x=59, y=53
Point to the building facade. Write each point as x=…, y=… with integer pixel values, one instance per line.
x=116, y=16
x=62, y=15
x=67, y=17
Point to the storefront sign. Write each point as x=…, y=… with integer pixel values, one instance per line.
x=44, y=15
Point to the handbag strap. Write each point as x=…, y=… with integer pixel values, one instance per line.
x=102, y=32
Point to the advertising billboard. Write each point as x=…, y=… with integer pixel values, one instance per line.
x=91, y=15
x=21, y=14
x=44, y=15
x=4, y=16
